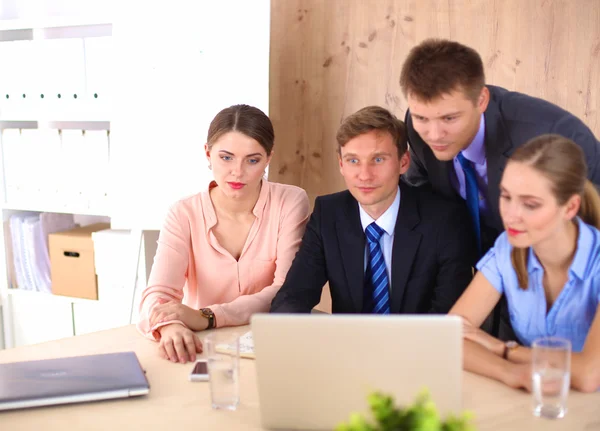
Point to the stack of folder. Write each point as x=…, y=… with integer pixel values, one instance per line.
x=29, y=248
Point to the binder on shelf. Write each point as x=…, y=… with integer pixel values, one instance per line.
x=17, y=247
x=31, y=166
x=13, y=154
x=47, y=147
x=24, y=265
x=10, y=260
x=98, y=76
x=5, y=72
x=36, y=253
x=63, y=80
x=18, y=102
x=73, y=170
x=97, y=175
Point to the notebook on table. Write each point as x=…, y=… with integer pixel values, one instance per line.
x=246, y=346
x=71, y=380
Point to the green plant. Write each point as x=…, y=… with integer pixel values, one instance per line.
x=421, y=416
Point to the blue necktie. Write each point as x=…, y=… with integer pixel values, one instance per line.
x=472, y=196
x=377, y=291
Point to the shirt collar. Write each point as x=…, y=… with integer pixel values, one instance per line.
x=387, y=220
x=209, y=209
x=475, y=152
x=583, y=253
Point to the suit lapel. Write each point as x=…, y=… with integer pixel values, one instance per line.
x=406, y=243
x=352, y=248
x=497, y=151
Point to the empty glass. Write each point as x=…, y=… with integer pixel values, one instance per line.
x=551, y=376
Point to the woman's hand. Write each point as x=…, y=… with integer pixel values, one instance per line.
x=517, y=376
x=166, y=311
x=472, y=333
x=178, y=343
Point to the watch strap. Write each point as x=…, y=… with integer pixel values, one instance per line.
x=208, y=313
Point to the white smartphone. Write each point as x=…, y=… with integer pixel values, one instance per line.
x=199, y=372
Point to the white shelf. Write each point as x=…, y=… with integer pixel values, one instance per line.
x=52, y=22
x=98, y=124
x=55, y=209
x=77, y=69
x=35, y=293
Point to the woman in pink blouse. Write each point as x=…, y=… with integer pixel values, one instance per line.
x=223, y=253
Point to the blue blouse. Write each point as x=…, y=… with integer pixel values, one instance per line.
x=573, y=311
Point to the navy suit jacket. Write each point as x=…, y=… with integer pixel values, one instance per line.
x=432, y=256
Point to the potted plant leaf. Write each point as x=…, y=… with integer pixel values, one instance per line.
x=420, y=416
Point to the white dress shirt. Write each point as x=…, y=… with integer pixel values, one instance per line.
x=387, y=222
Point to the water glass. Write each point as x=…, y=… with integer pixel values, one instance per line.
x=551, y=376
x=223, y=355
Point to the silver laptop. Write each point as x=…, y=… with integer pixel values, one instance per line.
x=71, y=380
x=313, y=371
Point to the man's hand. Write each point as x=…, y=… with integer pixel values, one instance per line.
x=166, y=311
x=178, y=343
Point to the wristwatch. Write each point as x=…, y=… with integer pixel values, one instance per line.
x=208, y=313
x=508, y=346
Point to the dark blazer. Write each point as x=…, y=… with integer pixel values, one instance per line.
x=432, y=256
x=511, y=119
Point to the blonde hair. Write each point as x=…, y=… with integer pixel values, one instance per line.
x=562, y=161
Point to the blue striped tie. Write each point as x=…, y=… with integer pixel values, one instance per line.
x=472, y=196
x=377, y=292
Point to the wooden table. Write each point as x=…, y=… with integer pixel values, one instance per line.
x=176, y=403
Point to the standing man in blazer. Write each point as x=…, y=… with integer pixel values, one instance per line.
x=383, y=247
x=461, y=133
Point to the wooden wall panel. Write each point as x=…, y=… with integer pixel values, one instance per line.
x=330, y=58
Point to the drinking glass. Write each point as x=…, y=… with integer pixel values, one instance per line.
x=223, y=355
x=551, y=376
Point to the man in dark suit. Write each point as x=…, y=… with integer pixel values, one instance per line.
x=383, y=247
x=461, y=133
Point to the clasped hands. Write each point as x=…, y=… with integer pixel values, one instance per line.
x=514, y=374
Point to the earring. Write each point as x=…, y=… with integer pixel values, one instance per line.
x=210, y=166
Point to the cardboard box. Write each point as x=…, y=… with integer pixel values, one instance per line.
x=72, y=261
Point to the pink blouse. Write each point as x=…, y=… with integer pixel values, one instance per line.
x=190, y=265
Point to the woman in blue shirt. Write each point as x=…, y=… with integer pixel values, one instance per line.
x=546, y=262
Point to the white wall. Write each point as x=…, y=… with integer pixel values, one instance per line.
x=177, y=66
x=31, y=9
